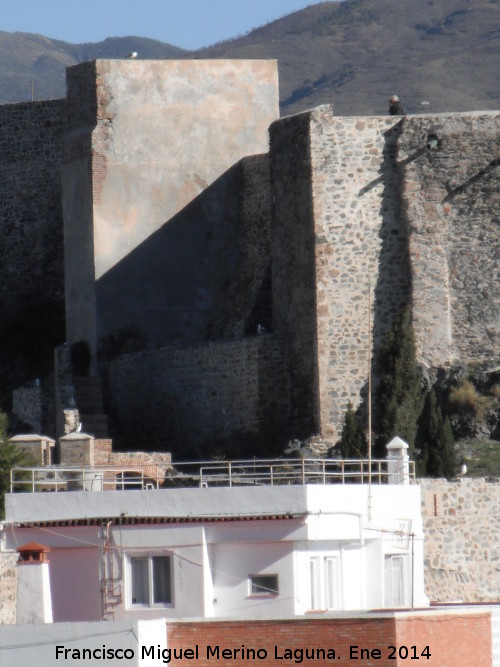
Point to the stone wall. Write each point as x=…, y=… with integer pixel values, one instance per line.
x=366, y=215
x=31, y=239
x=293, y=269
x=451, y=200
x=339, y=241
x=184, y=399
x=461, y=522
x=27, y=407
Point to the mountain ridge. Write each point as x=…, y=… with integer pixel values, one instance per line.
x=354, y=54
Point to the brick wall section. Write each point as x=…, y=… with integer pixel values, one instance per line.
x=214, y=392
x=453, y=640
x=31, y=238
x=102, y=451
x=461, y=522
x=452, y=206
x=8, y=587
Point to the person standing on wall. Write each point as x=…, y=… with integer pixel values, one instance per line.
x=395, y=106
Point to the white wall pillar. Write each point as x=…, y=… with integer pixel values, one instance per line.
x=398, y=462
x=34, y=602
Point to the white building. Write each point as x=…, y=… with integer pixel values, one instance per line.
x=248, y=551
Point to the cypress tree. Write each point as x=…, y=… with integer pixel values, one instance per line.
x=352, y=444
x=399, y=395
x=435, y=441
x=429, y=425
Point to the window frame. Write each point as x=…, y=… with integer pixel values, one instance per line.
x=149, y=558
x=263, y=593
x=324, y=582
x=403, y=585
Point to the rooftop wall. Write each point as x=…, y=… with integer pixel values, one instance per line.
x=463, y=636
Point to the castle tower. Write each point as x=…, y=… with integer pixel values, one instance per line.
x=143, y=139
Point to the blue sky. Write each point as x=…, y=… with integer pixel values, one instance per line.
x=189, y=24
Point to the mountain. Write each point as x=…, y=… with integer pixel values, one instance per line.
x=27, y=58
x=354, y=54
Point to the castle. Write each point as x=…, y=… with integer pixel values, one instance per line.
x=246, y=260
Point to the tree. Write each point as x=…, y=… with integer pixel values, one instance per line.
x=435, y=441
x=399, y=395
x=10, y=456
x=352, y=444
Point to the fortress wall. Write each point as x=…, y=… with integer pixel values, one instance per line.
x=461, y=524
x=199, y=277
x=338, y=234
x=164, y=132
x=293, y=271
x=452, y=204
x=76, y=178
x=241, y=303
x=31, y=238
x=216, y=392
x=360, y=252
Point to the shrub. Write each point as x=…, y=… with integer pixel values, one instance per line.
x=465, y=400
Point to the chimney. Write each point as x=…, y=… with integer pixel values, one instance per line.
x=398, y=462
x=34, y=603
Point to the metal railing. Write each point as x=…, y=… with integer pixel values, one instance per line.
x=96, y=478
x=273, y=472
x=245, y=472
x=296, y=471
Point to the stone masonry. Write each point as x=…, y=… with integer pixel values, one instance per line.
x=462, y=552
x=31, y=238
x=451, y=199
x=339, y=242
x=322, y=239
x=216, y=392
x=366, y=215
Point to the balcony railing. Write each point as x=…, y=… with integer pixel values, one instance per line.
x=249, y=472
x=96, y=478
x=265, y=472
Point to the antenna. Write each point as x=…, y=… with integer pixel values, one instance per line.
x=32, y=91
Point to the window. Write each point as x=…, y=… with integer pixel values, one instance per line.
x=150, y=581
x=396, y=581
x=264, y=584
x=324, y=582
